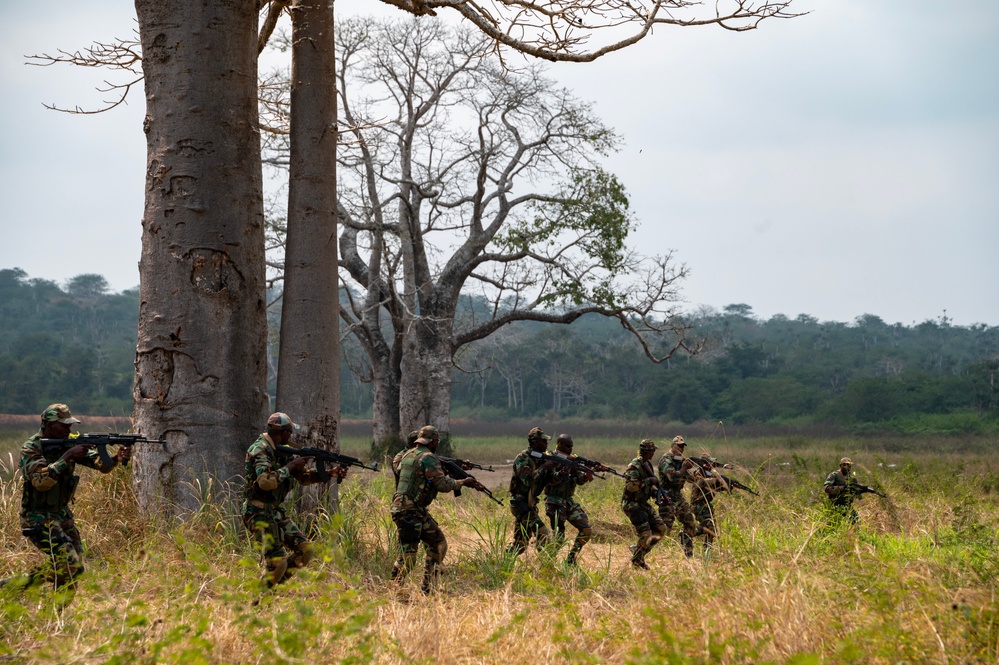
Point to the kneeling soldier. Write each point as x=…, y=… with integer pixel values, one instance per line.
x=269, y=478
x=49, y=485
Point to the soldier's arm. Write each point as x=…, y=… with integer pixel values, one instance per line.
x=268, y=474
x=633, y=480
x=830, y=487
x=38, y=471
x=435, y=475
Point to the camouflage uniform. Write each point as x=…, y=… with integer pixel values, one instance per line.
x=268, y=482
x=525, y=485
x=674, y=472
x=836, y=488
x=560, y=485
x=48, y=488
x=701, y=498
x=420, y=480
x=639, y=486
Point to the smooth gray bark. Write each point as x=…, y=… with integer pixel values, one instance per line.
x=308, y=386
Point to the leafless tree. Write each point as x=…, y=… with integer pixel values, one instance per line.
x=461, y=178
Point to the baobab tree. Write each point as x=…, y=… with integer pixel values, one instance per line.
x=201, y=359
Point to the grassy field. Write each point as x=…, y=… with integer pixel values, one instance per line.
x=914, y=583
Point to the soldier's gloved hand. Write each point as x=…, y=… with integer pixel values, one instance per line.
x=76, y=453
x=339, y=472
x=297, y=465
x=589, y=477
x=124, y=454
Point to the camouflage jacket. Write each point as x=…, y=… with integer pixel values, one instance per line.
x=420, y=480
x=638, y=482
x=49, y=481
x=268, y=480
x=527, y=479
x=838, y=480
x=560, y=482
x=706, y=487
x=675, y=471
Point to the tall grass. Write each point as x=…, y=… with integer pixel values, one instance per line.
x=915, y=582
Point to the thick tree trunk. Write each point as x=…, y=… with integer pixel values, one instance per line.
x=308, y=386
x=425, y=387
x=201, y=357
x=386, y=428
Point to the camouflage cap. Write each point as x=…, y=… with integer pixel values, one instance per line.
x=428, y=432
x=280, y=422
x=847, y=461
x=678, y=441
x=706, y=455
x=411, y=438
x=537, y=433
x=58, y=413
x=647, y=444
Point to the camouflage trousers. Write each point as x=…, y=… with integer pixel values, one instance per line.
x=842, y=512
x=559, y=512
x=281, y=544
x=648, y=525
x=415, y=526
x=527, y=524
x=679, y=510
x=56, y=535
x=705, y=513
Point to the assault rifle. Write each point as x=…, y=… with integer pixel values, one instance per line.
x=853, y=487
x=99, y=441
x=596, y=466
x=452, y=468
x=466, y=464
x=322, y=457
x=735, y=484
x=569, y=463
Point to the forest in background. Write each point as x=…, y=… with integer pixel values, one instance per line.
x=76, y=343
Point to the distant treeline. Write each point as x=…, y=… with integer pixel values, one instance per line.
x=76, y=343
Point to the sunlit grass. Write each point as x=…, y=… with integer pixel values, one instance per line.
x=915, y=582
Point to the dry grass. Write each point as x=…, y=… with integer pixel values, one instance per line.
x=915, y=583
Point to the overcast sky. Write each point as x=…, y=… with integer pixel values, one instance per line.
x=842, y=163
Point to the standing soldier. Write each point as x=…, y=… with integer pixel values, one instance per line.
x=674, y=471
x=420, y=479
x=525, y=485
x=49, y=485
x=268, y=480
x=560, y=506
x=706, y=485
x=639, y=486
x=839, y=488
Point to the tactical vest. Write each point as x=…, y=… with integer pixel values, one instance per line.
x=673, y=484
x=412, y=483
x=56, y=498
x=274, y=496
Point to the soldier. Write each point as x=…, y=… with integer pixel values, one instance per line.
x=420, y=479
x=269, y=478
x=706, y=485
x=560, y=506
x=525, y=486
x=838, y=487
x=639, y=486
x=675, y=470
x=50, y=482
